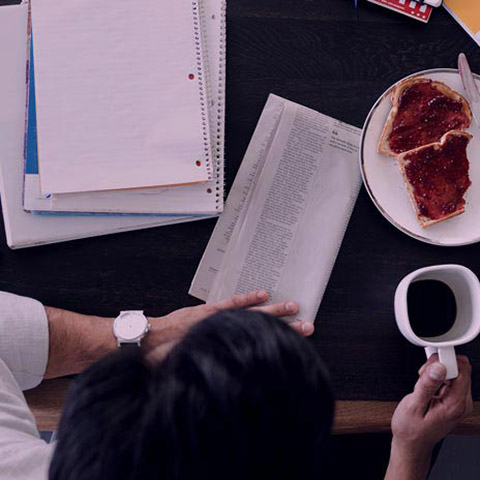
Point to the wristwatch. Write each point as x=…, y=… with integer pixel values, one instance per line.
x=129, y=328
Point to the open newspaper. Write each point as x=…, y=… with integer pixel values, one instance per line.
x=287, y=212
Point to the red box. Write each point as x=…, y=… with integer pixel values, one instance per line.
x=410, y=8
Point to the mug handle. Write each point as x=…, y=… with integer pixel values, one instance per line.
x=446, y=355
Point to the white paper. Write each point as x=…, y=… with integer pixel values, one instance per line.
x=115, y=106
x=239, y=194
x=191, y=200
x=286, y=217
x=195, y=199
x=23, y=229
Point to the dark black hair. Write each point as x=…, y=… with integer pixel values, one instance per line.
x=242, y=396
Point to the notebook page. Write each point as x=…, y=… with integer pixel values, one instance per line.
x=120, y=94
x=290, y=230
x=193, y=199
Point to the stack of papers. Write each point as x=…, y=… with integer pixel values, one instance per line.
x=125, y=116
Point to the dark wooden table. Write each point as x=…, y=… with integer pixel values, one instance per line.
x=314, y=53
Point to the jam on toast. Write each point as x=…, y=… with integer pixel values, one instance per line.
x=437, y=177
x=423, y=111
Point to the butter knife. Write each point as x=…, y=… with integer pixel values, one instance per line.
x=470, y=87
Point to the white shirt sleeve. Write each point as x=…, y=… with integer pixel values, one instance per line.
x=23, y=361
x=23, y=338
x=23, y=454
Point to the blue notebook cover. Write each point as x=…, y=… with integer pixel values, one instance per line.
x=31, y=151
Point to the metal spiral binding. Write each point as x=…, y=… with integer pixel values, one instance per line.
x=201, y=84
x=216, y=109
x=220, y=117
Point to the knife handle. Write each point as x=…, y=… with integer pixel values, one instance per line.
x=468, y=80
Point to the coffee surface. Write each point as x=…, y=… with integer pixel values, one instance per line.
x=432, y=308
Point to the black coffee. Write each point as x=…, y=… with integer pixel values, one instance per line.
x=432, y=308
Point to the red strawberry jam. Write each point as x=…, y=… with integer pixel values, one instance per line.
x=424, y=115
x=439, y=176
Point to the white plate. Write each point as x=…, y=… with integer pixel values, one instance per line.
x=385, y=185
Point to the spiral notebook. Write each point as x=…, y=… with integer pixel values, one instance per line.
x=121, y=94
x=25, y=230
x=197, y=199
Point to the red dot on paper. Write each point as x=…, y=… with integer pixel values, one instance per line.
x=198, y=163
x=191, y=76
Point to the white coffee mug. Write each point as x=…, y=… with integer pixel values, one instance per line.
x=466, y=289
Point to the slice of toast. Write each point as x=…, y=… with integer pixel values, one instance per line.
x=423, y=111
x=436, y=177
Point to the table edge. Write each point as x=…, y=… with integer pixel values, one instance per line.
x=351, y=417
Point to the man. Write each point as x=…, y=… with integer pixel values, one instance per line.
x=239, y=381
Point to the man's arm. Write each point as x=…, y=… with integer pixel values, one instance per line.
x=426, y=416
x=76, y=341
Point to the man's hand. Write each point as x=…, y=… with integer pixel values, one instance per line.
x=426, y=416
x=168, y=330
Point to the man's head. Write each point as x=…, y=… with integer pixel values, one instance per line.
x=241, y=396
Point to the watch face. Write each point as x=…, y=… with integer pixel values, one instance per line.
x=130, y=326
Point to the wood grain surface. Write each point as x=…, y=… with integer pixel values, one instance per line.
x=317, y=54
x=351, y=417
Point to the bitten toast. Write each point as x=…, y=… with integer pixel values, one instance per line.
x=437, y=178
x=423, y=111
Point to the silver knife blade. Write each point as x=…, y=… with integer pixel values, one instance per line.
x=470, y=87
